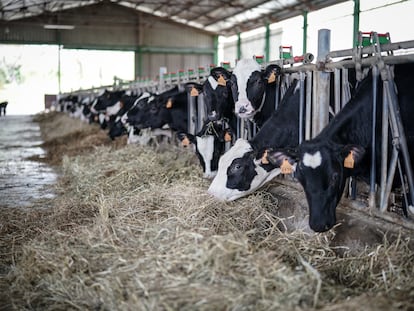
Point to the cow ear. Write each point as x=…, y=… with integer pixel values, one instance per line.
x=185, y=139
x=272, y=72
x=228, y=135
x=218, y=72
x=352, y=155
x=283, y=158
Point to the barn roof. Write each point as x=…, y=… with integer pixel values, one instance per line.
x=224, y=17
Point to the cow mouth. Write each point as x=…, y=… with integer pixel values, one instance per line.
x=245, y=110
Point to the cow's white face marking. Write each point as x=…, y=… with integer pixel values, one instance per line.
x=205, y=146
x=212, y=82
x=243, y=71
x=218, y=186
x=312, y=160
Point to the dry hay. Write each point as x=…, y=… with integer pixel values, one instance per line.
x=134, y=229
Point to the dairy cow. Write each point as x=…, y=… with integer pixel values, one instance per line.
x=209, y=144
x=241, y=169
x=253, y=90
x=343, y=148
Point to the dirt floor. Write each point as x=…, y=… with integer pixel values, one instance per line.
x=133, y=228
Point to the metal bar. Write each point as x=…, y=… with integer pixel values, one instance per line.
x=308, y=122
x=201, y=112
x=322, y=102
x=395, y=113
x=356, y=22
x=390, y=180
x=267, y=43
x=366, y=62
x=301, y=104
x=337, y=89
x=371, y=49
x=384, y=147
x=373, y=177
x=305, y=31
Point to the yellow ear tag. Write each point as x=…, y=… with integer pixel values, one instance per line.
x=227, y=137
x=349, y=160
x=286, y=167
x=194, y=92
x=272, y=77
x=169, y=103
x=221, y=81
x=185, y=142
x=264, y=157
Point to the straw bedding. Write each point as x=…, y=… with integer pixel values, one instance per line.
x=133, y=228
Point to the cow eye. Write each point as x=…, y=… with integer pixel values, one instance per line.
x=334, y=179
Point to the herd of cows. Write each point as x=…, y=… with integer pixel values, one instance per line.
x=239, y=166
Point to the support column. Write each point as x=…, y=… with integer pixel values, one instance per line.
x=267, y=43
x=215, y=56
x=239, y=54
x=356, y=21
x=305, y=31
x=321, y=109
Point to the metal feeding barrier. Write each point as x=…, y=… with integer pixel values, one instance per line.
x=374, y=51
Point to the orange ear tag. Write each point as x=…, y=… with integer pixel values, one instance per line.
x=227, y=137
x=221, y=81
x=169, y=103
x=194, y=92
x=349, y=160
x=286, y=167
x=185, y=142
x=272, y=78
x=264, y=157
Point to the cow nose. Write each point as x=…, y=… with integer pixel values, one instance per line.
x=242, y=110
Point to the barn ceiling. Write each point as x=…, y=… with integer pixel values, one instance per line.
x=225, y=17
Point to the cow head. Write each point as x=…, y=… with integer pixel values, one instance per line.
x=248, y=85
x=241, y=171
x=209, y=145
x=217, y=94
x=322, y=169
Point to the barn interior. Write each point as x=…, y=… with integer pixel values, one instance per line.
x=149, y=237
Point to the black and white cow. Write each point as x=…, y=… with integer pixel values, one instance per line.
x=100, y=105
x=253, y=90
x=241, y=170
x=129, y=114
x=169, y=108
x=321, y=167
x=209, y=144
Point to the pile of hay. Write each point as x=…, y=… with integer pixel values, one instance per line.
x=134, y=229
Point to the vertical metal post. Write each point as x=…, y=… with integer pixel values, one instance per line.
x=267, y=43
x=305, y=31
x=308, y=122
x=192, y=114
x=373, y=177
x=337, y=89
x=239, y=53
x=201, y=112
x=215, y=56
x=301, y=104
x=384, y=148
x=356, y=21
x=59, y=69
x=323, y=78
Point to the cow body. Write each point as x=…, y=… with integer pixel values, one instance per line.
x=241, y=170
x=321, y=167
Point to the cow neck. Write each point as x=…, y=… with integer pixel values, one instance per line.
x=350, y=125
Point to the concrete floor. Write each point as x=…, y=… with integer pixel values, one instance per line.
x=22, y=180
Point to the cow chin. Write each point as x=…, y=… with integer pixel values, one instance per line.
x=322, y=215
x=244, y=109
